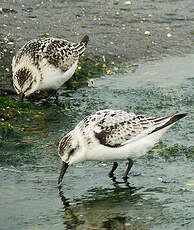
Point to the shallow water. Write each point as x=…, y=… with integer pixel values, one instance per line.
x=160, y=194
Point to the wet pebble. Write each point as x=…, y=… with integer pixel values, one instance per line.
x=127, y=3
x=147, y=33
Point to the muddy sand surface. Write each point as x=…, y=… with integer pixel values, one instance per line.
x=119, y=30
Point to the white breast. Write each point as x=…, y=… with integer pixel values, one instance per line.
x=52, y=77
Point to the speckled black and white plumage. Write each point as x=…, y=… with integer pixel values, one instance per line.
x=45, y=63
x=114, y=127
x=112, y=135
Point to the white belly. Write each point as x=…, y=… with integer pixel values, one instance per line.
x=53, y=78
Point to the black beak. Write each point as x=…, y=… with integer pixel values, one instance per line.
x=63, y=170
x=21, y=98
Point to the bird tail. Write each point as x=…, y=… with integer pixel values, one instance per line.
x=153, y=134
x=85, y=40
x=82, y=45
x=169, y=121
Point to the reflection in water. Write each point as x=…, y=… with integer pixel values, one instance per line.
x=70, y=218
x=64, y=200
x=116, y=183
x=115, y=208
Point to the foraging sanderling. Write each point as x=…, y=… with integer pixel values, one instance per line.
x=45, y=63
x=112, y=135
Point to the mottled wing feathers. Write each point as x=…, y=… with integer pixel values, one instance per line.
x=124, y=127
x=58, y=52
x=114, y=128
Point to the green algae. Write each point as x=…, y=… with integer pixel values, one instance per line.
x=173, y=152
x=16, y=153
x=13, y=146
x=89, y=69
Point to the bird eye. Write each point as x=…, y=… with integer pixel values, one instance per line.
x=71, y=152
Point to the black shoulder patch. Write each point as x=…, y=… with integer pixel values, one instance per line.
x=102, y=137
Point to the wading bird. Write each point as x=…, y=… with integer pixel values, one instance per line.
x=112, y=135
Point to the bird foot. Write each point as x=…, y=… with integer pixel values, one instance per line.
x=125, y=178
x=116, y=183
x=111, y=174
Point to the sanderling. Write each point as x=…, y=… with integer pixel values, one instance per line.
x=45, y=63
x=112, y=135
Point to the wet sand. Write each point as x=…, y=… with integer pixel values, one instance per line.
x=119, y=31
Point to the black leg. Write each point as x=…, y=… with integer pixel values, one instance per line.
x=21, y=98
x=56, y=97
x=114, y=167
x=63, y=170
x=130, y=164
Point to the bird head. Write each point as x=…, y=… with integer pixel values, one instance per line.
x=70, y=152
x=25, y=82
x=70, y=149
